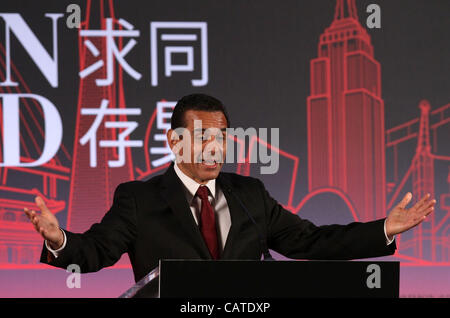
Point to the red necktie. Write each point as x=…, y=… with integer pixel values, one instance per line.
x=208, y=223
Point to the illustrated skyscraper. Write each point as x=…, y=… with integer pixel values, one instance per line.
x=421, y=172
x=345, y=115
x=91, y=189
x=423, y=183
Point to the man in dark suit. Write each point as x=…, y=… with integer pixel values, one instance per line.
x=194, y=211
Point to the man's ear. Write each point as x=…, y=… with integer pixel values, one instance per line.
x=173, y=138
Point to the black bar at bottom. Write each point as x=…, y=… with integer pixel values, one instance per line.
x=282, y=279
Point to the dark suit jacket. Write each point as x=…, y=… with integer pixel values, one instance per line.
x=152, y=220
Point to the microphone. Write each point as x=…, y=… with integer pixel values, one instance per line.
x=265, y=251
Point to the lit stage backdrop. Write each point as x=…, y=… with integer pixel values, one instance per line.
x=359, y=91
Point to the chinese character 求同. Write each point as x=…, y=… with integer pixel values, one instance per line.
x=111, y=51
x=186, y=48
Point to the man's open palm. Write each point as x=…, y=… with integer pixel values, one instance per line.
x=45, y=223
x=401, y=219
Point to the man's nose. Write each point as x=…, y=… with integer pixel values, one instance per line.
x=213, y=140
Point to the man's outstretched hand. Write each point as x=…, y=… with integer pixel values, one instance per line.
x=401, y=219
x=46, y=224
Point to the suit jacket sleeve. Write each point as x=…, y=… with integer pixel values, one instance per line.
x=105, y=242
x=298, y=238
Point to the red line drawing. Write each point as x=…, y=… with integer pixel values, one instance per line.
x=20, y=245
x=91, y=189
x=345, y=116
x=346, y=140
x=428, y=243
x=350, y=153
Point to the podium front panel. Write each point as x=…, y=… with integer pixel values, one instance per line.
x=241, y=279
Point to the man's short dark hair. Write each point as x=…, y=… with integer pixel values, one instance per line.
x=200, y=102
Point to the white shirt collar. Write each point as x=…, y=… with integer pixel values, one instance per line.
x=192, y=185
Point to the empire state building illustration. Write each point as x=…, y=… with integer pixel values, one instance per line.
x=351, y=153
x=345, y=115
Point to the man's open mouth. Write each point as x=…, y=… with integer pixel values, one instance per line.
x=209, y=163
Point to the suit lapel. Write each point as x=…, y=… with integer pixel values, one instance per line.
x=173, y=193
x=238, y=216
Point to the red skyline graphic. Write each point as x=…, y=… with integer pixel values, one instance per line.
x=346, y=137
x=87, y=204
x=350, y=153
x=20, y=244
x=429, y=242
x=345, y=116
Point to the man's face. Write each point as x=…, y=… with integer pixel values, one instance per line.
x=207, y=144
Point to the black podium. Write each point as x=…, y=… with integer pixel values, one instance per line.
x=275, y=279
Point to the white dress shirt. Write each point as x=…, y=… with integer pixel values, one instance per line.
x=215, y=197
